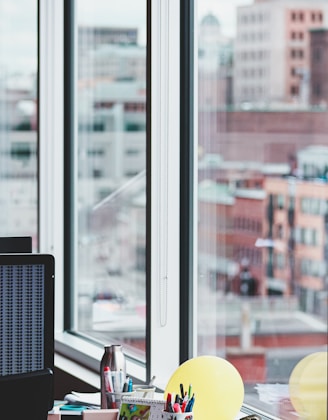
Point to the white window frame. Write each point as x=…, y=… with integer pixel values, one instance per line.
x=165, y=188
x=165, y=134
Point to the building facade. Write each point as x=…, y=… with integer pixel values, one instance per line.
x=318, y=66
x=272, y=51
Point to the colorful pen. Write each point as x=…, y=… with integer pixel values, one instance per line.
x=189, y=391
x=181, y=391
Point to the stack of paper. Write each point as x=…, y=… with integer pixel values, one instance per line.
x=86, y=399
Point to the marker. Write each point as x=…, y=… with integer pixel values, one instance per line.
x=181, y=391
x=189, y=391
x=151, y=382
x=176, y=408
x=108, y=379
x=168, y=401
x=126, y=384
x=184, y=405
x=121, y=380
x=130, y=387
x=190, y=404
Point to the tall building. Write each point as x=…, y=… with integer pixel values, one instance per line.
x=319, y=66
x=107, y=43
x=298, y=258
x=214, y=64
x=272, y=50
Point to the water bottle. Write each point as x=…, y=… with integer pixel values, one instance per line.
x=114, y=359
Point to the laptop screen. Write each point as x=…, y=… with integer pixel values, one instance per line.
x=26, y=313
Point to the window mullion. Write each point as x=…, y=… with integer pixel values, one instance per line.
x=165, y=127
x=50, y=109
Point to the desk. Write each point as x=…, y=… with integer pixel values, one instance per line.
x=86, y=415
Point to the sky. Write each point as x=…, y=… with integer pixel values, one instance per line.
x=18, y=47
x=224, y=10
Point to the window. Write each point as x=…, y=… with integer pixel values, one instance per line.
x=317, y=54
x=294, y=90
x=110, y=237
x=18, y=120
x=251, y=138
x=221, y=225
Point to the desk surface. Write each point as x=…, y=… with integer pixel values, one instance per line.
x=86, y=415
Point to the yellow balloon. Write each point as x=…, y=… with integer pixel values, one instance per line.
x=216, y=383
x=311, y=401
x=294, y=382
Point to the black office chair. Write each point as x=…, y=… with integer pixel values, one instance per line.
x=26, y=395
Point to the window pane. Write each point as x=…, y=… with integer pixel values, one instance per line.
x=111, y=146
x=18, y=119
x=262, y=176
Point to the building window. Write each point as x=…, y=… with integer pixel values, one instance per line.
x=294, y=90
x=317, y=54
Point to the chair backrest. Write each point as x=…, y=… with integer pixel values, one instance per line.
x=15, y=244
x=26, y=395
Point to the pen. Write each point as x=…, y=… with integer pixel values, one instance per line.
x=190, y=404
x=189, y=391
x=121, y=380
x=126, y=384
x=151, y=382
x=130, y=386
x=181, y=391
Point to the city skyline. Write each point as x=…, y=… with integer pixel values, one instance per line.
x=18, y=49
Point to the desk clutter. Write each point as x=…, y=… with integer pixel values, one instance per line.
x=201, y=388
x=87, y=405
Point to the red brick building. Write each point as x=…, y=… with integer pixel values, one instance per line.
x=265, y=137
x=299, y=232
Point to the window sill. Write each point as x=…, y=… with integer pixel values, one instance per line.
x=81, y=359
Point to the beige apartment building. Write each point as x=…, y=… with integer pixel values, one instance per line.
x=272, y=51
x=299, y=233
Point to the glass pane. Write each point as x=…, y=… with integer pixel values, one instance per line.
x=111, y=198
x=18, y=119
x=262, y=194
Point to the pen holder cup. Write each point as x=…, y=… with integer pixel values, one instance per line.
x=144, y=391
x=177, y=416
x=114, y=399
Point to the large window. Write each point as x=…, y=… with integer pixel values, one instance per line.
x=262, y=168
x=18, y=119
x=183, y=185
x=110, y=172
